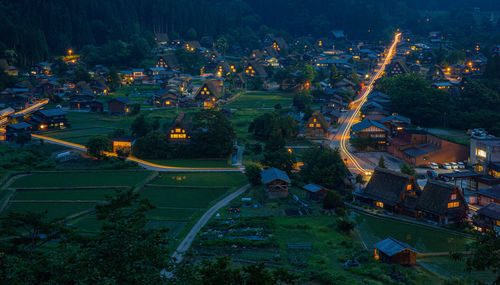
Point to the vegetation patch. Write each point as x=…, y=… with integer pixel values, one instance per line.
x=213, y=179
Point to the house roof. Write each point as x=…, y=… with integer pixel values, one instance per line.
x=19, y=126
x=434, y=199
x=491, y=192
x=419, y=150
x=365, y=124
x=183, y=121
x=52, y=112
x=386, y=186
x=212, y=87
x=6, y=111
x=313, y=188
x=403, y=65
x=272, y=174
x=391, y=246
x=492, y=210
x=123, y=139
x=123, y=100
x=396, y=117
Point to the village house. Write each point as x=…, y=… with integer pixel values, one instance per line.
x=81, y=100
x=255, y=69
x=371, y=129
x=180, y=130
x=49, y=119
x=397, y=67
x=122, y=144
x=418, y=147
x=207, y=95
x=317, y=127
x=485, y=155
x=396, y=123
x=276, y=182
x=393, y=251
x=97, y=106
x=390, y=190
x=119, y=106
x=488, y=218
x=166, y=98
x=315, y=192
x=373, y=110
x=13, y=131
x=489, y=195
x=442, y=203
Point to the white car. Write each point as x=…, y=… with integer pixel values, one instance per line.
x=461, y=164
x=446, y=166
x=454, y=165
x=433, y=165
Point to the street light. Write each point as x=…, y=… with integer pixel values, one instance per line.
x=70, y=52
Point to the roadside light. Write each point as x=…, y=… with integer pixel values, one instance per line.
x=70, y=52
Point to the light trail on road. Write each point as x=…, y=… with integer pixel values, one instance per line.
x=362, y=100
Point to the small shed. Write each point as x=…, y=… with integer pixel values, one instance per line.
x=394, y=251
x=276, y=182
x=123, y=144
x=119, y=105
x=97, y=106
x=315, y=192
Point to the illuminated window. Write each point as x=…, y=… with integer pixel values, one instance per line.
x=318, y=125
x=311, y=125
x=379, y=204
x=453, y=204
x=497, y=223
x=408, y=187
x=453, y=196
x=481, y=153
x=314, y=120
x=177, y=130
x=376, y=255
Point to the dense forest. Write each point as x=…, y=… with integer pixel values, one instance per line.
x=35, y=30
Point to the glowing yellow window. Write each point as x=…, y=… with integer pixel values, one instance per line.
x=379, y=204
x=314, y=120
x=376, y=255
x=481, y=153
x=318, y=125
x=408, y=187
x=453, y=204
x=497, y=223
x=177, y=130
x=311, y=125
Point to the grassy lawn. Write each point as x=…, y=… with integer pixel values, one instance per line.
x=210, y=179
x=87, y=194
x=176, y=197
x=448, y=268
x=170, y=214
x=261, y=99
x=201, y=163
x=54, y=210
x=425, y=239
x=62, y=179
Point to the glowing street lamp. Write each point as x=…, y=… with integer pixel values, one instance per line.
x=70, y=52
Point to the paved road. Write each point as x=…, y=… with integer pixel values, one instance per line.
x=341, y=138
x=143, y=163
x=178, y=255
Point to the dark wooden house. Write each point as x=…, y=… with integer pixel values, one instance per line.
x=119, y=106
x=489, y=195
x=317, y=127
x=315, y=192
x=166, y=98
x=49, y=119
x=180, y=130
x=441, y=202
x=392, y=191
x=397, y=67
x=13, y=131
x=394, y=251
x=97, y=106
x=276, y=182
x=488, y=218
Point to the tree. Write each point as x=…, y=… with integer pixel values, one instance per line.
x=302, y=99
x=192, y=34
x=114, y=79
x=140, y=127
x=345, y=225
x=381, y=162
x=81, y=74
x=252, y=171
x=281, y=159
x=222, y=44
x=324, y=167
x=334, y=75
x=97, y=146
x=136, y=109
x=407, y=169
x=22, y=139
x=154, y=145
x=333, y=200
x=213, y=134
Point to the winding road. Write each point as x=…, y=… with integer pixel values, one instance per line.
x=341, y=138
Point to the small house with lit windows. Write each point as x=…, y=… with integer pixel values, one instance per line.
x=122, y=144
x=180, y=130
x=396, y=122
x=207, y=95
x=166, y=98
x=49, y=119
x=390, y=190
x=119, y=106
x=371, y=129
x=442, y=203
x=255, y=69
x=317, y=127
x=397, y=67
x=489, y=195
x=488, y=218
x=393, y=251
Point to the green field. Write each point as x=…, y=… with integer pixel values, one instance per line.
x=87, y=194
x=54, y=210
x=198, y=163
x=172, y=214
x=425, y=239
x=182, y=197
x=261, y=99
x=81, y=179
x=448, y=268
x=210, y=179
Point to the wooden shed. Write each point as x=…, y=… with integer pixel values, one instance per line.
x=393, y=251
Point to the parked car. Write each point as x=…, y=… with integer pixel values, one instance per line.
x=433, y=165
x=461, y=164
x=432, y=174
x=454, y=165
x=446, y=166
